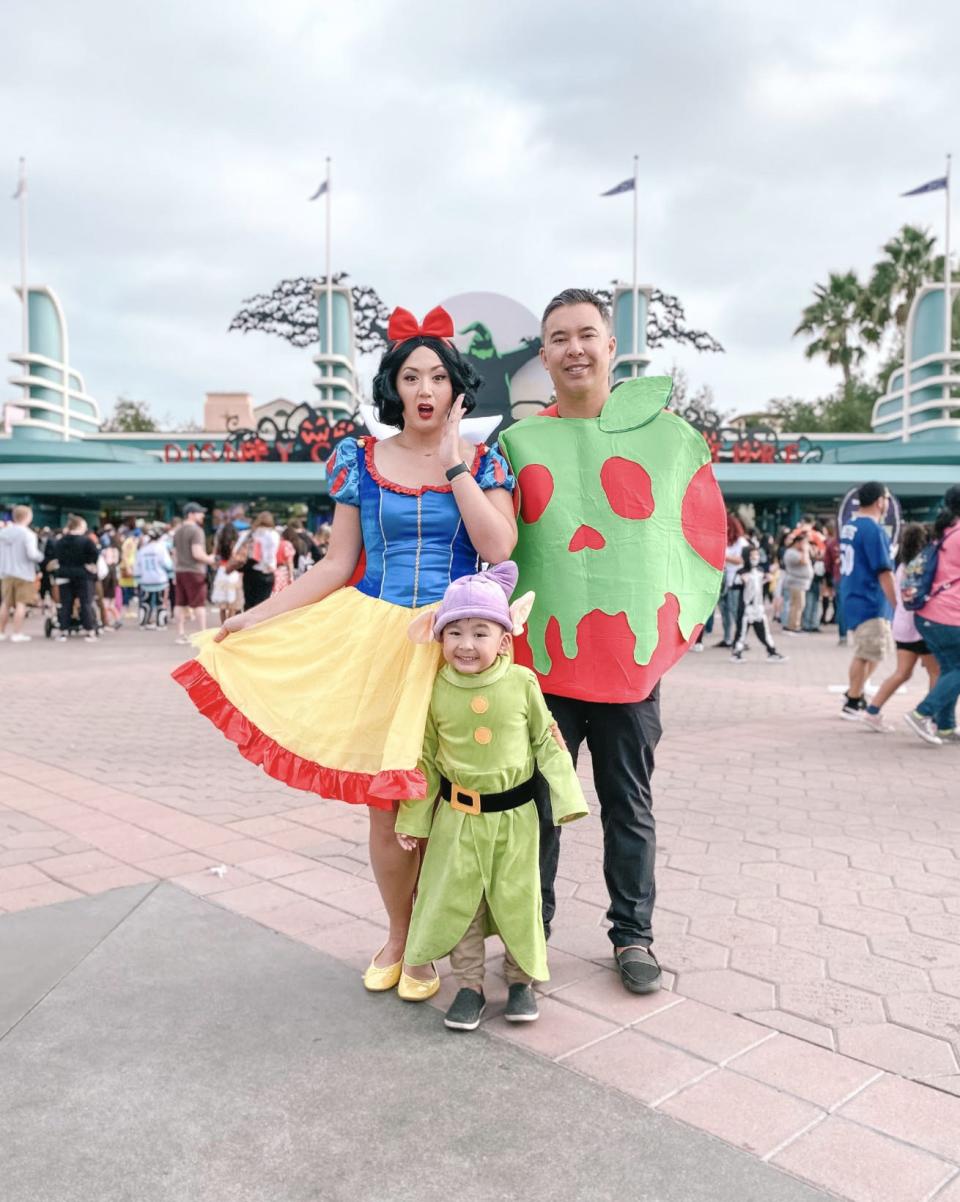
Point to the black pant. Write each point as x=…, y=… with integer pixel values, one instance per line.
x=77, y=590
x=621, y=739
x=257, y=586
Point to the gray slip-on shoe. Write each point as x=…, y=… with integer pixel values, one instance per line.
x=521, y=1005
x=465, y=1011
x=639, y=970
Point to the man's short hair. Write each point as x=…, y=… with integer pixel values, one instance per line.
x=870, y=493
x=75, y=522
x=577, y=296
x=22, y=513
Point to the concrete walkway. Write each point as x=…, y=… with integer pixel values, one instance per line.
x=156, y=1047
x=808, y=893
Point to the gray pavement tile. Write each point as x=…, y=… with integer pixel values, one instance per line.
x=192, y=1056
x=38, y=947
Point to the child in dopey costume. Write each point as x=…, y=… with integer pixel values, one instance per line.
x=488, y=728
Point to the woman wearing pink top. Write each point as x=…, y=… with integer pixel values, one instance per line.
x=938, y=623
x=911, y=649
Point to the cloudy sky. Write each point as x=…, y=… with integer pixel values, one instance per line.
x=171, y=148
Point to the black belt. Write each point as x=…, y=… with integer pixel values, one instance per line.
x=469, y=801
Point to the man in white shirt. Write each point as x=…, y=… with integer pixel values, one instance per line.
x=19, y=556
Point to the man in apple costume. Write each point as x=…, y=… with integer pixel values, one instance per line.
x=622, y=534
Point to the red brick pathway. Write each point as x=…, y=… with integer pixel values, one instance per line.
x=809, y=893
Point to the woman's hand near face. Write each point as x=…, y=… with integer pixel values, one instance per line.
x=450, y=451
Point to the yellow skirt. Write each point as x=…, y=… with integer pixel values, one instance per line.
x=331, y=698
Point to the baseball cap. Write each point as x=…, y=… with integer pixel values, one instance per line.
x=192, y=507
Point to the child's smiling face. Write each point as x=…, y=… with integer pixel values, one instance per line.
x=471, y=645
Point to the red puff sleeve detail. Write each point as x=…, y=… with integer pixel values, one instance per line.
x=343, y=475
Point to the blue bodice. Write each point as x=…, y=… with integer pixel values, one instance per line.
x=414, y=538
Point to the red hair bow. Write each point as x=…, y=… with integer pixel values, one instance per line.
x=403, y=325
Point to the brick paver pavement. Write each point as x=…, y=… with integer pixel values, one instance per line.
x=808, y=911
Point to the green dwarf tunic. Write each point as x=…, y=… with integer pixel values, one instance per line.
x=485, y=732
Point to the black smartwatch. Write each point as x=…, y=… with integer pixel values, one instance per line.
x=457, y=470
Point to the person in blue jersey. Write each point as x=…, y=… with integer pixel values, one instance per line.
x=319, y=684
x=867, y=592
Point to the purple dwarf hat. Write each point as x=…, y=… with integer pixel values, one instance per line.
x=486, y=595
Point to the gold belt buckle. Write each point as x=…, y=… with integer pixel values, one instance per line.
x=458, y=792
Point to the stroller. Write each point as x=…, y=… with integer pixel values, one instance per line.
x=51, y=622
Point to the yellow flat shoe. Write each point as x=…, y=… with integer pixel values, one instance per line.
x=412, y=990
x=379, y=980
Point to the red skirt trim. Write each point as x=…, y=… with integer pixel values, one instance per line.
x=358, y=788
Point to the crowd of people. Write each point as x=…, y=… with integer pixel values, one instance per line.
x=89, y=582
x=814, y=575
x=912, y=601
x=791, y=581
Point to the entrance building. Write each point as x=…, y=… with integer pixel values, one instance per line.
x=54, y=457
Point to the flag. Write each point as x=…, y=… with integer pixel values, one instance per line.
x=625, y=186
x=933, y=185
x=319, y=192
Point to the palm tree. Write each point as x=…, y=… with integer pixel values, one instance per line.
x=909, y=264
x=839, y=321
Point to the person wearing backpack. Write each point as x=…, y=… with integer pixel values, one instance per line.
x=866, y=591
x=938, y=624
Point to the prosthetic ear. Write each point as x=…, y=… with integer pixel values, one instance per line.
x=520, y=611
x=420, y=629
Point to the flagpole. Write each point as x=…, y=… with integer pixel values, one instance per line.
x=329, y=346
x=636, y=295
x=24, y=294
x=947, y=306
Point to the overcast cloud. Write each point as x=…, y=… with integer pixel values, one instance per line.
x=171, y=148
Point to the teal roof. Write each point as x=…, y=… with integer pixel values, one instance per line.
x=154, y=479
x=763, y=480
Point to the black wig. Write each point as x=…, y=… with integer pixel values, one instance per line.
x=386, y=399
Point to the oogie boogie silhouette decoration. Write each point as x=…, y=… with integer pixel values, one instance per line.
x=632, y=497
x=302, y=435
x=759, y=444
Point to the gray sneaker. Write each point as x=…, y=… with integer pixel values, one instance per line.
x=924, y=727
x=465, y=1011
x=521, y=1005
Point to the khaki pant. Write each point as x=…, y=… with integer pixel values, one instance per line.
x=797, y=598
x=872, y=640
x=467, y=958
x=14, y=591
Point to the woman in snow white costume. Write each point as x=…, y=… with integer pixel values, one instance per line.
x=319, y=684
